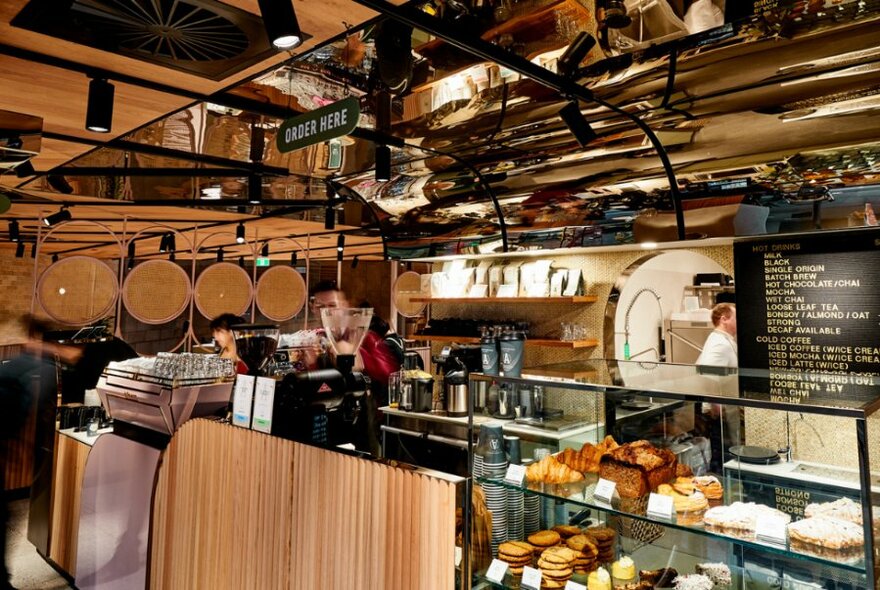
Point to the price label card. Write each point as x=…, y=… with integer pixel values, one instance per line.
x=660, y=506
x=771, y=530
x=605, y=490
x=458, y=555
x=515, y=475
x=242, y=400
x=574, y=586
x=496, y=571
x=264, y=402
x=531, y=578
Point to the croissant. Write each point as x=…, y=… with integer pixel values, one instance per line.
x=549, y=470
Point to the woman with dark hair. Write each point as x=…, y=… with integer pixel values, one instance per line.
x=221, y=329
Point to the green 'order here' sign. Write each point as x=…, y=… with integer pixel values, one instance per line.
x=333, y=120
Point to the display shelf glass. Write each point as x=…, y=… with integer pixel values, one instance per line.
x=581, y=494
x=855, y=396
x=549, y=342
x=478, y=300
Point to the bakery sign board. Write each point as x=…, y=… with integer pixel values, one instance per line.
x=319, y=125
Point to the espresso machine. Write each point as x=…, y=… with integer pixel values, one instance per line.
x=327, y=407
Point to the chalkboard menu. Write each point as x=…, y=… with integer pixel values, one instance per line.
x=810, y=303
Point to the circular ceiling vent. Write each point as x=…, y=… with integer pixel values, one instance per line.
x=173, y=29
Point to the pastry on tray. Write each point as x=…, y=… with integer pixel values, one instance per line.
x=694, y=582
x=549, y=470
x=844, y=509
x=587, y=459
x=830, y=533
x=741, y=516
x=708, y=485
x=695, y=502
x=661, y=578
x=637, y=468
x=719, y=573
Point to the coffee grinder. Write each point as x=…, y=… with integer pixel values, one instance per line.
x=326, y=407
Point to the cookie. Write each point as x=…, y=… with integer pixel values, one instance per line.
x=558, y=555
x=552, y=584
x=516, y=563
x=515, y=571
x=567, y=530
x=603, y=534
x=583, y=543
x=557, y=574
x=516, y=549
x=545, y=538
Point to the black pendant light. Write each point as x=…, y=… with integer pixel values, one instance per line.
x=293, y=258
x=99, y=112
x=19, y=250
x=219, y=254
x=573, y=118
x=265, y=251
x=340, y=247
x=14, y=231
x=383, y=163
x=34, y=250
x=54, y=258
x=255, y=189
x=239, y=233
x=279, y=18
x=570, y=61
x=354, y=262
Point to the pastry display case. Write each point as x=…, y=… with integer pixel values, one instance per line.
x=697, y=477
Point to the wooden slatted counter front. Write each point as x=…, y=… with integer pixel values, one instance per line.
x=235, y=508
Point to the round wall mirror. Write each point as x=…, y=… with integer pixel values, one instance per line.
x=654, y=311
x=156, y=291
x=78, y=290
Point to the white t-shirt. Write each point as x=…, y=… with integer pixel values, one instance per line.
x=719, y=350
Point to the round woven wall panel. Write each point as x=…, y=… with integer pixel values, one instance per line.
x=156, y=291
x=408, y=285
x=223, y=288
x=281, y=293
x=78, y=291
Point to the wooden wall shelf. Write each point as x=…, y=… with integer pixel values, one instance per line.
x=573, y=299
x=548, y=342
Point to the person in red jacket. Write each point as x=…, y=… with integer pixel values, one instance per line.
x=375, y=356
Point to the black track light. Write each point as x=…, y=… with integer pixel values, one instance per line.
x=329, y=218
x=219, y=254
x=241, y=261
x=14, y=231
x=34, y=250
x=239, y=233
x=383, y=163
x=171, y=256
x=25, y=169
x=615, y=15
x=54, y=258
x=570, y=61
x=340, y=247
x=354, y=262
x=131, y=250
x=383, y=111
x=279, y=18
x=573, y=118
x=293, y=258
x=265, y=251
x=99, y=112
x=163, y=243
x=19, y=250
x=255, y=189
x=130, y=264
x=56, y=218
x=59, y=183
x=172, y=242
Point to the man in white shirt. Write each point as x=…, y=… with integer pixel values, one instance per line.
x=720, y=347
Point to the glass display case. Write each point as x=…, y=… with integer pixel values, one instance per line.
x=767, y=473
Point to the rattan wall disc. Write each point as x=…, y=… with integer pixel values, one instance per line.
x=281, y=293
x=78, y=290
x=223, y=288
x=156, y=291
x=408, y=285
